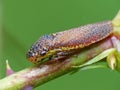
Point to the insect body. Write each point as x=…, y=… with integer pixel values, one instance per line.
x=66, y=42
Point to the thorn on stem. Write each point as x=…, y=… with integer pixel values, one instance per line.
x=9, y=71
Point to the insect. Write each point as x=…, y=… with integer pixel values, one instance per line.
x=62, y=44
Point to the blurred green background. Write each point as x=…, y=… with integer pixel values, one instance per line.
x=26, y=20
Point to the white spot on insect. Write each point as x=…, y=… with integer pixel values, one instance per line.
x=33, y=54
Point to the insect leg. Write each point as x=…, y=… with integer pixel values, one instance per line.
x=63, y=55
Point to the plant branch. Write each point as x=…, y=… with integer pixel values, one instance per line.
x=39, y=74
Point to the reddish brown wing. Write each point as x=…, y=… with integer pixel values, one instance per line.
x=84, y=35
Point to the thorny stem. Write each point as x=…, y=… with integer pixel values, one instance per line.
x=39, y=74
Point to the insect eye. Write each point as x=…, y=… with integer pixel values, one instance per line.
x=30, y=54
x=43, y=53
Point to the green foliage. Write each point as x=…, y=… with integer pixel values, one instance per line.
x=26, y=20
